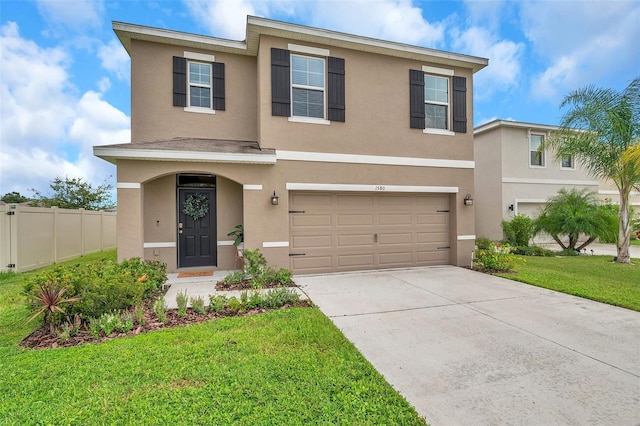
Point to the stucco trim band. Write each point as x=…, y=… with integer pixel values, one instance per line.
x=168, y=244
x=549, y=181
x=466, y=237
x=267, y=244
x=294, y=186
x=329, y=157
x=250, y=187
x=127, y=185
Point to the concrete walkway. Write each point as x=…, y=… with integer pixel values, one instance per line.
x=465, y=348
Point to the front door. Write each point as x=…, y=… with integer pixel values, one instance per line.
x=197, y=239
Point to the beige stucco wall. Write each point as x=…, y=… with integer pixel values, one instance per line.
x=504, y=150
x=153, y=116
x=262, y=221
x=488, y=185
x=377, y=111
x=377, y=123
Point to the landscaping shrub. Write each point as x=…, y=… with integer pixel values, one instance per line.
x=160, y=308
x=217, y=303
x=100, y=287
x=483, y=243
x=182, y=300
x=197, y=304
x=497, y=258
x=532, y=251
x=519, y=230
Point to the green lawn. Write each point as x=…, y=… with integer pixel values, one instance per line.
x=284, y=367
x=635, y=242
x=592, y=277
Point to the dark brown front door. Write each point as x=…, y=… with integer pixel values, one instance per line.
x=197, y=239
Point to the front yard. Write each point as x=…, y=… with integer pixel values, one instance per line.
x=591, y=277
x=289, y=366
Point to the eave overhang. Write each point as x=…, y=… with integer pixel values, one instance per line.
x=257, y=27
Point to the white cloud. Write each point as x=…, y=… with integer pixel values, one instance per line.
x=505, y=57
x=396, y=20
x=222, y=18
x=45, y=128
x=582, y=45
x=72, y=14
x=115, y=59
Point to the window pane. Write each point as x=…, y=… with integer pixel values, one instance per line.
x=199, y=73
x=567, y=162
x=308, y=103
x=536, y=158
x=200, y=96
x=436, y=116
x=307, y=71
x=436, y=89
x=535, y=154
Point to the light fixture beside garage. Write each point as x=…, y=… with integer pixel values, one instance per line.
x=274, y=199
x=468, y=201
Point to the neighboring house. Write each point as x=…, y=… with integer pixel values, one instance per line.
x=513, y=176
x=367, y=145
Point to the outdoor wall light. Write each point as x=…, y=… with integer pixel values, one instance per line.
x=468, y=201
x=510, y=207
x=274, y=199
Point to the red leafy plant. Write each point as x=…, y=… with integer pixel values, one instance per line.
x=47, y=300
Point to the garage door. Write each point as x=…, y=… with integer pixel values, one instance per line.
x=331, y=232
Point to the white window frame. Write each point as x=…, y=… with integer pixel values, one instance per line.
x=317, y=53
x=543, y=153
x=573, y=163
x=440, y=73
x=302, y=118
x=193, y=57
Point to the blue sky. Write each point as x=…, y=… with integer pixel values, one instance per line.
x=64, y=77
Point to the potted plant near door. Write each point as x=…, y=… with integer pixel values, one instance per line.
x=238, y=243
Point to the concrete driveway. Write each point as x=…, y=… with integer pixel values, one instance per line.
x=465, y=348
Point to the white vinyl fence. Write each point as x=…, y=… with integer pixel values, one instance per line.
x=33, y=237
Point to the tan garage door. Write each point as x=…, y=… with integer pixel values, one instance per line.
x=357, y=231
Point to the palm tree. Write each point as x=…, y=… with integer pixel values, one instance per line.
x=601, y=129
x=574, y=213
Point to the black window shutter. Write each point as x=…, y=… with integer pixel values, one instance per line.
x=218, y=85
x=179, y=81
x=460, y=104
x=416, y=99
x=335, y=85
x=280, y=83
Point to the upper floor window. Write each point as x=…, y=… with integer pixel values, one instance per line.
x=198, y=83
x=436, y=102
x=536, y=153
x=307, y=86
x=567, y=162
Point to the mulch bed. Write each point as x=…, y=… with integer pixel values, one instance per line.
x=43, y=339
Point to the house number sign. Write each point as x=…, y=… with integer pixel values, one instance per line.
x=380, y=188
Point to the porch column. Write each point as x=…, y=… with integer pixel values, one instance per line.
x=129, y=226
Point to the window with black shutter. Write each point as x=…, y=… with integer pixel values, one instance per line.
x=436, y=99
x=198, y=85
x=301, y=84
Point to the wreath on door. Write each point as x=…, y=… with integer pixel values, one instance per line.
x=196, y=206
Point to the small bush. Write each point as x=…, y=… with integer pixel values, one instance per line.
x=217, y=303
x=233, y=278
x=109, y=322
x=533, y=251
x=519, y=230
x=182, y=300
x=279, y=297
x=568, y=252
x=160, y=308
x=234, y=304
x=138, y=314
x=483, y=243
x=255, y=263
x=498, y=258
x=126, y=322
x=197, y=304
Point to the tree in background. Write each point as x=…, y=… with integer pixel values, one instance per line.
x=601, y=129
x=75, y=193
x=14, y=198
x=574, y=213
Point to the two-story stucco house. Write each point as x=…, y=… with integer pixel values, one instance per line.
x=335, y=152
x=514, y=176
